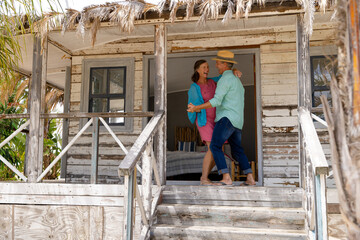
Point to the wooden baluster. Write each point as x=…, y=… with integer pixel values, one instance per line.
x=321, y=211
x=95, y=150
x=128, y=206
x=147, y=181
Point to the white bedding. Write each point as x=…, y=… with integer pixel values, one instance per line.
x=179, y=162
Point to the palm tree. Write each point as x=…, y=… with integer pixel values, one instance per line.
x=17, y=17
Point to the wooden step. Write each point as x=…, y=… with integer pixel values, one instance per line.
x=234, y=196
x=231, y=216
x=164, y=232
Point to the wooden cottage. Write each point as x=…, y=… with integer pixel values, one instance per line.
x=125, y=83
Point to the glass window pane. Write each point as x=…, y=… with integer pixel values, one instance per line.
x=317, y=101
x=98, y=105
x=117, y=79
x=117, y=105
x=322, y=71
x=98, y=81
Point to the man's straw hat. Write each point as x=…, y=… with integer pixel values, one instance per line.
x=225, y=56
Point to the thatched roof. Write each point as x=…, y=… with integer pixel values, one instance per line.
x=125, y=13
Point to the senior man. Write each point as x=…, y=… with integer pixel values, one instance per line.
x=229, y=103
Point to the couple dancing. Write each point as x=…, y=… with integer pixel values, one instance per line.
x=216, y=126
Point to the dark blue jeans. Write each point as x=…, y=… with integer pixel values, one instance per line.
x=223, y=131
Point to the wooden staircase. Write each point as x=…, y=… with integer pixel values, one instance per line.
x=217, y=212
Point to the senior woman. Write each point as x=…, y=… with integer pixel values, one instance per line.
x=201, y=91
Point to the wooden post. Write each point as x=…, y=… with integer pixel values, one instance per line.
x=147, y=181
x=27, y=145
x=304, y=83
x=65, y=134
x=33, y=166
x=128, y=205
x=160, y=96
x=44, y=55
x=95, y=151
x=321, y=210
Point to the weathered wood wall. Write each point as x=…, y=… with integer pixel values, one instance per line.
x=62, y=211
x=275, y=36
x=110, y=154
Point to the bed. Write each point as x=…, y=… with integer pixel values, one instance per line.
x=179, y=162
x=189, y=157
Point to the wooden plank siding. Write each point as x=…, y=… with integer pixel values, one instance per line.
x=62, y=211
x=278, y=94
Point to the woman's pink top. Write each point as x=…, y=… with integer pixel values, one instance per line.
x=208, y=92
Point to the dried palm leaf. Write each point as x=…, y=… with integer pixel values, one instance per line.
x=47, y=23
x=190, y=8
x=125, y=14
x=52, y=98
x=174, y=5
x=248, y=8
x=240, y=8
x=149, y=7
x=21, y=89
x=94, y=29
x=309, y=9
x=209, y=9
x=70, y=19
x=323, y=5
x=229, y=12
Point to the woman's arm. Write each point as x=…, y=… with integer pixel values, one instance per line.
x=235, y=71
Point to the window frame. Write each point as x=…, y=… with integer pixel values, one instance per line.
x=109, y=96
x=129, y=64
x=313, y=87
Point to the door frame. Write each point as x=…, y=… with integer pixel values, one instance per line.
x=256, y=52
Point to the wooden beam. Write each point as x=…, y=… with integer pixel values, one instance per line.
x=79, y=115
x=65, y=133
x=44, y=56
x=33, y=167
x=303, y=64
x=160, y=96
x=60, y=46
x=319, y=164
x=303, y=76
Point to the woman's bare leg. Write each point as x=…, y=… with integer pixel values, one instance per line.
x=208, y=164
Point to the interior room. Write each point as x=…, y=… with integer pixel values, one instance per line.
x=185, y=165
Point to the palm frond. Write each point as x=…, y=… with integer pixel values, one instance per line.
x=21, y=88
x=229, y=12
x=94, y=29
x=323, y=5
x=240, y=8
x=70, y=19
x=47, y=23
x=209, y=9
x=52, y=98
x=248, y=8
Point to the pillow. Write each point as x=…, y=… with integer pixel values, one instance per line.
x=186, y=146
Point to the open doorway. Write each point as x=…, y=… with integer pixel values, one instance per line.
x=186, y=166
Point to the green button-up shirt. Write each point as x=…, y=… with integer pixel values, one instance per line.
x=229, y=99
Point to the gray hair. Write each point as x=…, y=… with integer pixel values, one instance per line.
x=230, y=65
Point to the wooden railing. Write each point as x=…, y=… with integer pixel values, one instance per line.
x=142, y=149
x=316, y=169
x=94, y=120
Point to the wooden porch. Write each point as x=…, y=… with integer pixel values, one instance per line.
x=37, y=210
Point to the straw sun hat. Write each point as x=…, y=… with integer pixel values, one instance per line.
x=225, y=56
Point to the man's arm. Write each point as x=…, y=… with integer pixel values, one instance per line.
x=193, y=108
